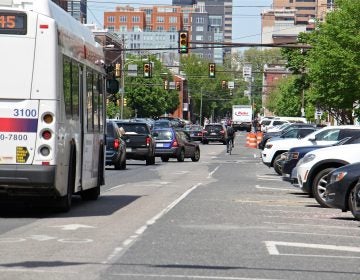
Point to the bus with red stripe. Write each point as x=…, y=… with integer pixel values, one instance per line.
x=52, y=105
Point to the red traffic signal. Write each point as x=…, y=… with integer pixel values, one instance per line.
x=183, y=42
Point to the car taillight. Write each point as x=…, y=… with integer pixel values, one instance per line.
x=148, y=141
x=46, y=134
x=116, y=144
x=175, y=144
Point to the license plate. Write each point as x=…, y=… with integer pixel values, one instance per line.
x=213, y=133
x=128, y=149
x=159, y=145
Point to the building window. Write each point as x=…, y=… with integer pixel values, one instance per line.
x=199, y=28
x=173, y=19
x=123, y=18
x=199, y=38
x=135, y=19
x=111, y=19
x=173, y=28
x=160, y=19
x=199, y=20
x=111, y=28
x=123, y=28
x=160, y=28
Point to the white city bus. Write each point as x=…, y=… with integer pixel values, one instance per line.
x=52, y=104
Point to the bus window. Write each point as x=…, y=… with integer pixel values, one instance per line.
x=90, y=116
x=96, y=102
x=67, y=86
x=75, y=90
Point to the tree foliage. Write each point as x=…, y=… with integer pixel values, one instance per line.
x=331, y=68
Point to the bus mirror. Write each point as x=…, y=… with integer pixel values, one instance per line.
x=112, y=86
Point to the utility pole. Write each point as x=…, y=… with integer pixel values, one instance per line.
x=122, y=81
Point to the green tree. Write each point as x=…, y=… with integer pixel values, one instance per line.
x=334, y=62
x=147, y=97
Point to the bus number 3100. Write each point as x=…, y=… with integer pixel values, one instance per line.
x=25, y=113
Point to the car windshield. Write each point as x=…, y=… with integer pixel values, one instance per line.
x=213, y=128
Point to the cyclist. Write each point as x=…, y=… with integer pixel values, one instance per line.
x=230, y=137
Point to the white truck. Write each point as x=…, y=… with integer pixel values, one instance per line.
x=242, y=117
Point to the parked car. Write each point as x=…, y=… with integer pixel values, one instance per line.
x=326, y=136
x=316, y=165
x=195, y=131
x=140, y=144
x=214, y=132
x=115, y=146
x=341, y=189
x=293, y=156
x=171, y=143
x=270, y=123
x=282, y=129
x=162, y=123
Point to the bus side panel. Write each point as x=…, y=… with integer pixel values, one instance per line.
x=46, y=64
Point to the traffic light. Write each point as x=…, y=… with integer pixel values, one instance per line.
x=166, y=84
x=178, y=86
x=124, y=102
x=223, y=84
x=183, y=42
x=212, y=70
x=147, y=70
x=117, y=70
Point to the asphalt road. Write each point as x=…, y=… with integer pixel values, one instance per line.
x=224, y=217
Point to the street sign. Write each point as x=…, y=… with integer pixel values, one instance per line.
x=172, y=85
x=132, y=70
x=247, y=69
x=231, y=85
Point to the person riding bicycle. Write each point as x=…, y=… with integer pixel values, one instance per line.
x=230, y=136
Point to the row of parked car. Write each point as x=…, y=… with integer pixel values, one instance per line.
x=325, y=164
x=138, y=140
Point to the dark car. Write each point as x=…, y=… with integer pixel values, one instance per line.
x=269, y=135
x=115, y=146
x=295, y=154
x=195, y=131
x=214, y=132
x=140, y=144
x=171, y=143
x=341, y=188
x=162, y=123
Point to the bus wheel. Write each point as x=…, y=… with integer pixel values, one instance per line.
x=64, y=204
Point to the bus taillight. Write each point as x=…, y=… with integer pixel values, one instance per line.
x=116, y=144
x=48, y=118
x=46, y=134
x=44, y=151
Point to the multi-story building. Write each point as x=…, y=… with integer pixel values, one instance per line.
x=210, y=21
x=288, y=18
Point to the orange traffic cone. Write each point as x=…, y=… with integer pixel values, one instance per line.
x=252, y=140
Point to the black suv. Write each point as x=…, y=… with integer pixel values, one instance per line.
x=115, y=146
x=214, y=132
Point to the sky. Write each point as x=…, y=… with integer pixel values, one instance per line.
x=246, y=15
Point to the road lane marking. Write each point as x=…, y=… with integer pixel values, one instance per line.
x=169, y=276
x=114, y=188
x=312, y=233
x=73, y=226
x=309, y=225
x=133, y=238
x=272, y=247
x=212, y=172
x=277, y=189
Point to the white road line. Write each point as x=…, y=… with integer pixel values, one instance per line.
x=114, y=188
x=187, y=276
x=133, y=238
x=312, y=233
x=299, y=218
x=212, y=172
x=277, y=189
x=272, y=247
x=308, y=225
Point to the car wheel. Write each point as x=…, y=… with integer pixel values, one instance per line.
x=123, y=165
x=117, y=165
x=319, y=186
x=196, y=156
x=277, y=164
x=181, y=156
x=164, y=159
x=354, y=202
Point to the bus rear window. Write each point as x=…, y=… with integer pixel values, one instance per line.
x=13, y=23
